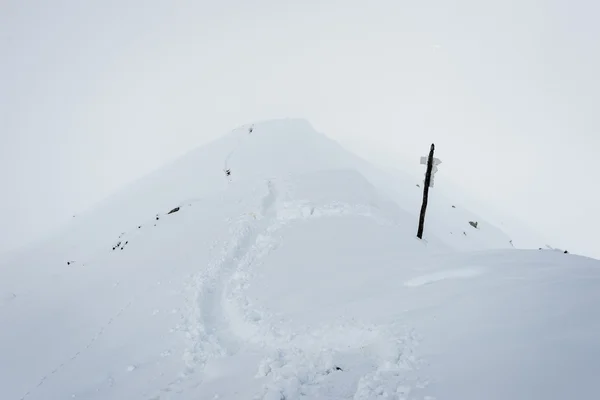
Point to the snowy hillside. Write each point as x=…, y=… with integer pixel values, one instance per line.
x=299, y=276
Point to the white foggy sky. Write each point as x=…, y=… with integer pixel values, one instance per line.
x=94, y=94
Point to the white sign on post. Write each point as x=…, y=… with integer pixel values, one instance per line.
x=436, y=162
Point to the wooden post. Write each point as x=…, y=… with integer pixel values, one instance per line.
x=426, y=192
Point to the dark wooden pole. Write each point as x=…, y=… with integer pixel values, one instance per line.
x=426, y=192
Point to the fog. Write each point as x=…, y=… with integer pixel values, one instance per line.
x=96, y=94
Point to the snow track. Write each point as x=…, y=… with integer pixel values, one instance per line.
x=315, y=361
x=74, y=357
x=207, y=330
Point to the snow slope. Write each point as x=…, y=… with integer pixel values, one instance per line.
x=298, y=277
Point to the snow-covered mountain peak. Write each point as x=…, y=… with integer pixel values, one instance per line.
x=274, y=264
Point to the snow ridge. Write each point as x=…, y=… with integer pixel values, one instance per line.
x=295, y=276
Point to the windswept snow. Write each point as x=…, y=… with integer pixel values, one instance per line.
x=441, y=276
x=298, y=276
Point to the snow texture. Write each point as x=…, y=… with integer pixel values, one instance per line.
x=299, y=276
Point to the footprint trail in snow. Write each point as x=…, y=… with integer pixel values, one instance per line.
x=344, y=359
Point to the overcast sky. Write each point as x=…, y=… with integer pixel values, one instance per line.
x=94, y=94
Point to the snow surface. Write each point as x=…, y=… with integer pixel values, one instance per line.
x=299, y=276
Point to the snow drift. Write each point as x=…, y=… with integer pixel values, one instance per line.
x=299, y=276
